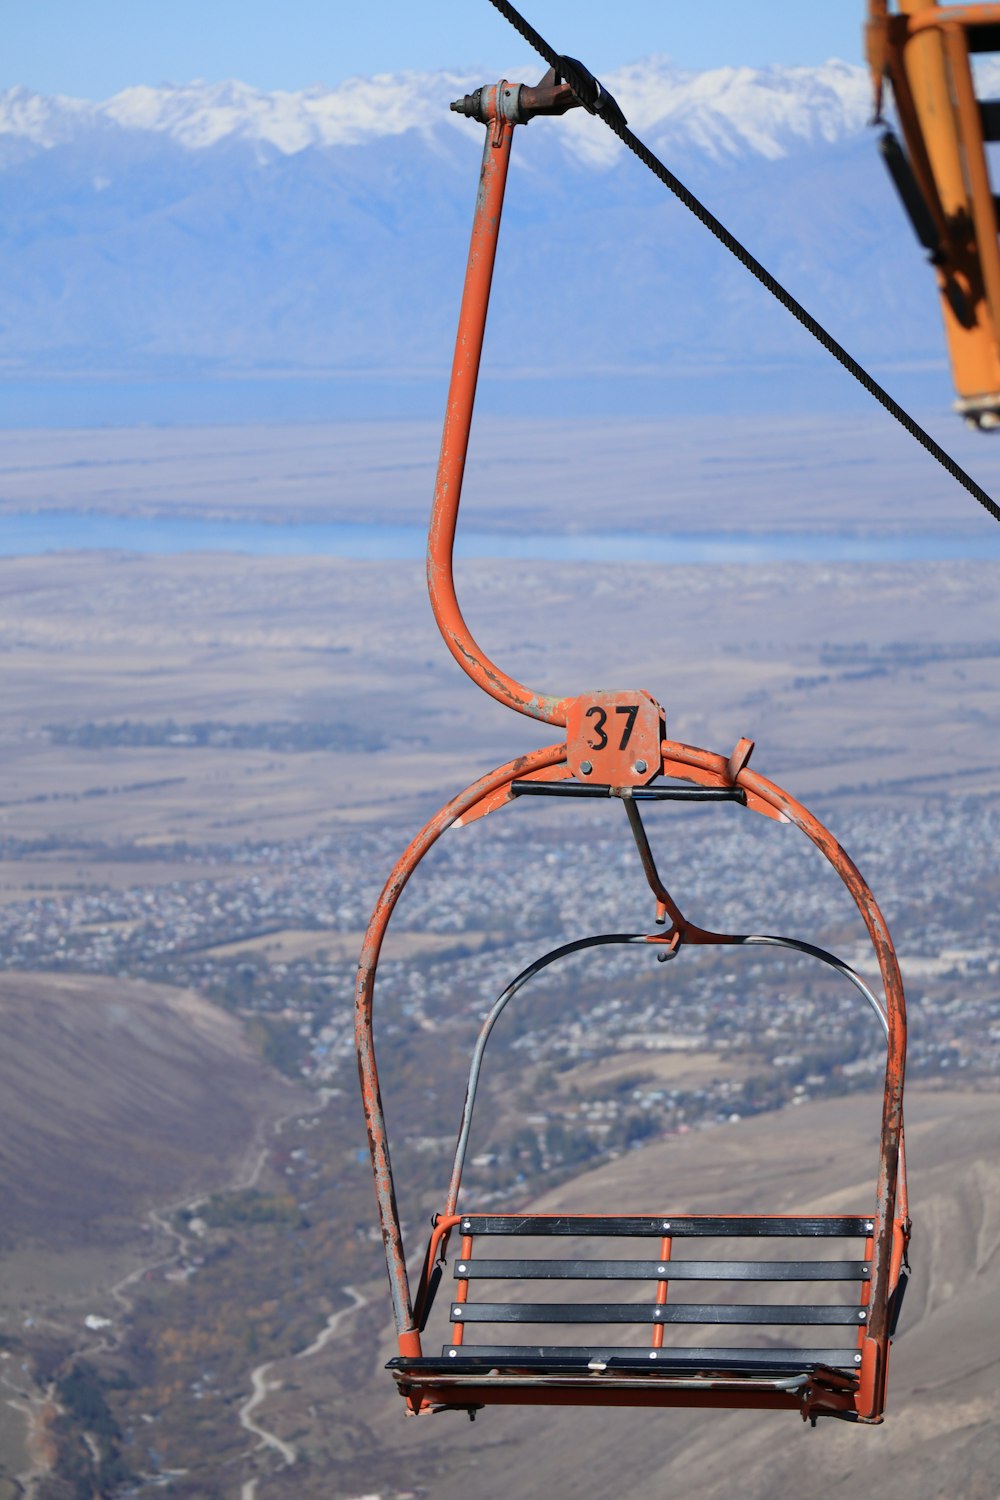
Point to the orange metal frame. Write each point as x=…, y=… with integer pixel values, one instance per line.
x=923, y=50
x=618, y=739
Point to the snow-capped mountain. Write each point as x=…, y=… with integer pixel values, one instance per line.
x=213, y=227
x=724, y=112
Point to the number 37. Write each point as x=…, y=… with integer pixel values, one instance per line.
x=599, y=739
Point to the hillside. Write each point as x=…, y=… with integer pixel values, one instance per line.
x=117, y=1096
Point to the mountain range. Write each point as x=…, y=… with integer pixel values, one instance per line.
x=215, y=233
x=726, y=111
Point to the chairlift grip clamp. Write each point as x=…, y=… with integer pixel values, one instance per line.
x=519, y=103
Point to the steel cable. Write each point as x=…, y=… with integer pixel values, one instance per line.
x=582, y=85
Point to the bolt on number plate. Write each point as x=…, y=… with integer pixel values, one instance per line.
x=614, y=737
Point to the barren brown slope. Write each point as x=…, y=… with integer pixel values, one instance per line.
x=115, y=1096
x=941, y=1440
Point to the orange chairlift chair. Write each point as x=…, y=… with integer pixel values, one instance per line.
x=926, y=53
x=615, y=744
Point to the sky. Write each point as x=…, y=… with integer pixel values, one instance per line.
x=92, y=50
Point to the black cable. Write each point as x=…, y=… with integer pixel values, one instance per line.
x=582, y=84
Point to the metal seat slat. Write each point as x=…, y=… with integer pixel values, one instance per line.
x=686, y=1226
x=657, y=1270
x=649, y=1312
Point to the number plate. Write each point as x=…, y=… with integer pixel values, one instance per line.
x=615, y=738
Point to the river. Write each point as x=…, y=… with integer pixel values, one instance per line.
x=25, y=534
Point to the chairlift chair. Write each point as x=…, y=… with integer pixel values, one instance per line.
x=616, y=746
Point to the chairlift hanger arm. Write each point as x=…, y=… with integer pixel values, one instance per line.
x=499, y=108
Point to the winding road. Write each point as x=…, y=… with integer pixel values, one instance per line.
x=261, y=1388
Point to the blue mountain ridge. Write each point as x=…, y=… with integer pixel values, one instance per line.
x=126, y=254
